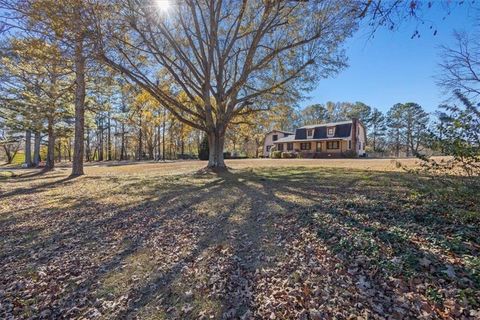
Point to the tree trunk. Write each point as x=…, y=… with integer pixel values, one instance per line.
x=140, y=143
x=59, y=151
x=159, y=147
x=163, y=133
x=36, y=148
x=70, y=149
x=216, y=142
x=51, y=146
x=28, y=148
x=11, y=152
x=8, y=154
x=77, y=166
x=100, y=141
x=109, y=139
x=122, y=146
x=88, y=149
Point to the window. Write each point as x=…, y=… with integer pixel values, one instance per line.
x=309, y=133
x=319, y=146
x=333, y=145
x=330, y=131
x=349, y=144
x=280, y=147
x=290, y=146
x=275, y=137
x=305, y=146
x=268, y=148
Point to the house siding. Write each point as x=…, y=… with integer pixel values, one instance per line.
x=351, y=137
x=343, y=146
x=268, y=143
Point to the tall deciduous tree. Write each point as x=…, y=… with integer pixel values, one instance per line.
x=225, y=55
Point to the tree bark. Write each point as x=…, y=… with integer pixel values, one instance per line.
x=36, y=148
x=88, y=150
x=28, y=148
x=51, y=146
x=59, y=151
x=100, y=141
x=163, y=133
x=122, y=145
x=78, y=147
x=140, y=142
x=216, y=142
x=109, y=139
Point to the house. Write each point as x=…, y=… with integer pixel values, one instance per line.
x=271, y=137
x=335, y=140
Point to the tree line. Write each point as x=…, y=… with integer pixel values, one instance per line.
x=124, y=79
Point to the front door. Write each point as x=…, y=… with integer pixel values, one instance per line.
x=319, y=147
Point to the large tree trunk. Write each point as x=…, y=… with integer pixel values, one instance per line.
x=36, y=148
x=51, y=146
x=28, y=148
x=77, y=167
x=216, y=142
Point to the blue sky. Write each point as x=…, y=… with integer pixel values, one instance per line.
x=392, y=67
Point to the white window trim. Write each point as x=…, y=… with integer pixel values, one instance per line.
x=310, y=136
x=330, y=135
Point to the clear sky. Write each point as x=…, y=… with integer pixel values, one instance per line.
x=392, y=67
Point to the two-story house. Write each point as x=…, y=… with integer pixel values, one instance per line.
x=271, y=137
x=337, y=139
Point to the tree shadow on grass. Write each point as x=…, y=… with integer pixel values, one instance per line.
x=192, y=246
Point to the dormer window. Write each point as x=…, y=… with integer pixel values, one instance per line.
x=330, y=131
x=309, y=133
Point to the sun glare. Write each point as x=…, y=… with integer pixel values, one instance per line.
x=163, y=5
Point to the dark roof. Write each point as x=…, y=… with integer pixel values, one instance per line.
x=341, y=131
x=300, y=133
x=281, y=131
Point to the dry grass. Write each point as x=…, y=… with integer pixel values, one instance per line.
x=315, y=239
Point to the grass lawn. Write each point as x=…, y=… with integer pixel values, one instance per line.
x=318, y=239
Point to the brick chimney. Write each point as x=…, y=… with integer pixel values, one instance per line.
x=354, y=135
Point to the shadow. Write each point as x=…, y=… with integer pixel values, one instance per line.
x=39, y=188
x=244, y=243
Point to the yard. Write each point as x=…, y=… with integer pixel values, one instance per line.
x=272, y=239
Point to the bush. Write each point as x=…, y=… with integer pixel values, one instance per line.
x=287, y=155
x=276, y=154
x=227, y=155
x=306, y=154
x=203, y=149
x=350, y=154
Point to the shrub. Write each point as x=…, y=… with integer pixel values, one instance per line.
x=306, y=155
x=227, y=155
x=350, y=154
x=276, y=154
x=287, y=155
